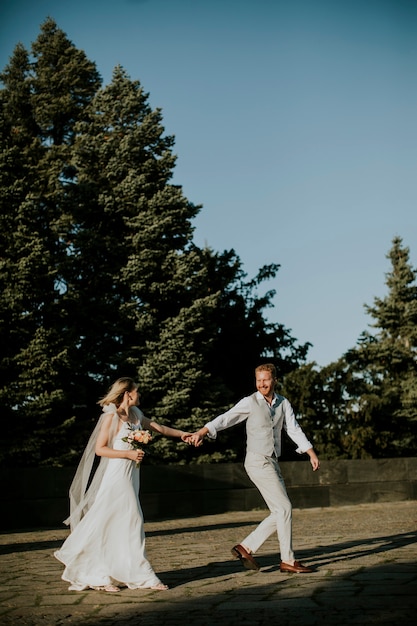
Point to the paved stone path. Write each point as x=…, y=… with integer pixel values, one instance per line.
x=365, y=560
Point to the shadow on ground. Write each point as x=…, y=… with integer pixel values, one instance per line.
x=382, y=595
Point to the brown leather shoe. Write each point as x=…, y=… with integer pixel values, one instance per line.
x=297, y=568
x=245, y=557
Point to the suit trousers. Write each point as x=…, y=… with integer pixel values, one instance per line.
x=265, y=473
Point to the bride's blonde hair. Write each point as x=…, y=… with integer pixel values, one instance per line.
x=117, y=391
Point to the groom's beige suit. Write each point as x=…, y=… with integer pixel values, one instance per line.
x=264, y=424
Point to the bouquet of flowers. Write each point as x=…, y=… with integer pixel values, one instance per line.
x=136, y=438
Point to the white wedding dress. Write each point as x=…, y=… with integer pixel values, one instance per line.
x=107, y=547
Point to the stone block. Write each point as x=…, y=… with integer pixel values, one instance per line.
x=343, y=495
x=412, y=468
x=254, y=500
x=333, y=472
x=299, y=473
x=169, y=478
x=376, y=470
x=390, y=491
x=308, y=497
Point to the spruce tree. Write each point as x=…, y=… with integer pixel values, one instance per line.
x=319, y=397
x=99, y=273
x=36, y=366
x=135, y=226
x=384, y=398
x=365, y=404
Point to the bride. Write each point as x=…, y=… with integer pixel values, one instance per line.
x=106, y=547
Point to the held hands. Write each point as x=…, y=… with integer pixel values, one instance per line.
x=193, y=439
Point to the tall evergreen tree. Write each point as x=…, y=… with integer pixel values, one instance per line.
x=321, y=402
x=136, y=227
x=99, y=273
x=365, y=404
x=244, y=337
x=35, y=366
x=384, y=414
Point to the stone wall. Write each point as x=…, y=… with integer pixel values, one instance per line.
x=39, y=497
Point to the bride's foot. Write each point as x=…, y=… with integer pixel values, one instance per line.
x=160, y=587
x=108, y=588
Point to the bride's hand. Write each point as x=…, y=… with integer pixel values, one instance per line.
x=135, y=455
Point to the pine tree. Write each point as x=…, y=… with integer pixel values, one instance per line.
x=384, y=395
x=244, y=336
x=99, y=273
x=320, y=400
x=365, y=404
x=35, y=366
x=136, y=227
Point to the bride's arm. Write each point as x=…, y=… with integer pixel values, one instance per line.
x=167, y=431
x=103, y=449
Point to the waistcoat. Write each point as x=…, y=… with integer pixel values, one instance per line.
x=263, y=430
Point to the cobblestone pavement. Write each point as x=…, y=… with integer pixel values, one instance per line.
x=365, y=560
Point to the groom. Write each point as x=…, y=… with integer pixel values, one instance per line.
x=266, y=414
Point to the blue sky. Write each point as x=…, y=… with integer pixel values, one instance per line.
x=295, y=126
